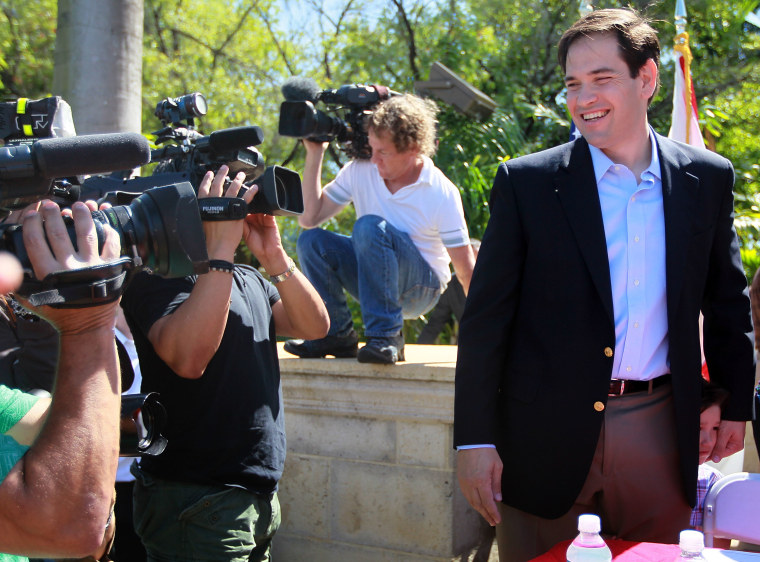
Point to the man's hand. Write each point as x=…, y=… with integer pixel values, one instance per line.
x=223, y=237
x=316, y=148
x=262, y=236
x=730, y=439
x=50, y=249
x=479, y=473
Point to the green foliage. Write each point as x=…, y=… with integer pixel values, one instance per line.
x=27, y=40
x=469, y=153
x=751, y=261
x=219, y=48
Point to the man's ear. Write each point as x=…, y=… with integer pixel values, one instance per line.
x=648, y=74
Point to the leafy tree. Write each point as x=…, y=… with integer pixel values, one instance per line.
x=27, y=39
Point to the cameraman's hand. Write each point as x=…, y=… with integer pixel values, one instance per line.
x=262, y=236
x=50, y=249
x=315, y=147
x=223, y=237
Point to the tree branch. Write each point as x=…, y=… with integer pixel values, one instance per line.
x=410, y=35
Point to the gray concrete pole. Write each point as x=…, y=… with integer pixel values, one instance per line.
x=98, y=63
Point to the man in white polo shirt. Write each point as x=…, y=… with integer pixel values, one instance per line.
x=410, y=226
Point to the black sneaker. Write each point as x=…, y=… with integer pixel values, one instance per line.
x=337, y=346
x=387, y=350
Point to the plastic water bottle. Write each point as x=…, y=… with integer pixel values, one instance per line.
x=692, y=543
x=589, y=545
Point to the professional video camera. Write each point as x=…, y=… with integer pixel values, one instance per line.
x=160, y=230
x=354, y=102
x=186, y=155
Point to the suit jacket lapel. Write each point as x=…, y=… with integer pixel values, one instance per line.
x=575, y=185
x=679, y=193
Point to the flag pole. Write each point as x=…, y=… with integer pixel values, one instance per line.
x=681, y=44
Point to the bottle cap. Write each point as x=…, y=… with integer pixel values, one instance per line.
x=691, y=541
x=589, y=523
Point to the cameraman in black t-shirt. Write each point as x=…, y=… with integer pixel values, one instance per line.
x=207, y=345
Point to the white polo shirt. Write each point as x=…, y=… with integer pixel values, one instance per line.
x=429, y=210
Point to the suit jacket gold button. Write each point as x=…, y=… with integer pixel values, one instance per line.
x=599, y=406
x=608, y=351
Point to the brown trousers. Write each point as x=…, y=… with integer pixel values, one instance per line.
x=634, y=483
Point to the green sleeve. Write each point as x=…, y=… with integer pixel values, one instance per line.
x=14, y=405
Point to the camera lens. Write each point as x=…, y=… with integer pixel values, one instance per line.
x=193, y=105
x=160, y=229
x=164, y=225
x=176, y=110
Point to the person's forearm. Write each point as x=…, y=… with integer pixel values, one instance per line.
x=188, y=338
x=305, y=310
x=311, y=187
x=61, y=490
x=305, y=315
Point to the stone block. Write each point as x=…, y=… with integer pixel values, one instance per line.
x=341, y=436
x=394, y=507
x=425, y=444
x=299, y=549
x=304, y=495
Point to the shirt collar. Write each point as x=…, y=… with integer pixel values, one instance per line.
x=426, y=174
x=602, y=162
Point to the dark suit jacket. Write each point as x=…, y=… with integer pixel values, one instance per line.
x=533, y=356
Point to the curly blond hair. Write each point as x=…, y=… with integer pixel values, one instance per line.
x=409, y=121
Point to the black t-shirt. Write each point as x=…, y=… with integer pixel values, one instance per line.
x=28, y=349
x=227, y=426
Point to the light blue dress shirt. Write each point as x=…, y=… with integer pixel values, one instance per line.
x=634, y=226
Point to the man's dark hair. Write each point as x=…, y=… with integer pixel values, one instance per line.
x=712, y=395
x=636, y=39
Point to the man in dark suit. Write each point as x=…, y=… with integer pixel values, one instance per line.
x=578, y=373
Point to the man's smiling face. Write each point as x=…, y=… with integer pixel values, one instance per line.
x=606, y=104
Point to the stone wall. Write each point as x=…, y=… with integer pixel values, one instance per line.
x=370, y=469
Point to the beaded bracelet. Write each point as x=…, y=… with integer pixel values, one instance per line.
x=221, y=265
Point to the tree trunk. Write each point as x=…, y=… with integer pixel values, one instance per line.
x=98, y=63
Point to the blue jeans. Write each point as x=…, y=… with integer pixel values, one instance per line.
x=378, y=265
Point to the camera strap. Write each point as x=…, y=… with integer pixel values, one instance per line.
x=78, y=288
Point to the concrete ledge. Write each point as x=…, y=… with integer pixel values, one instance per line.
x=370, y=473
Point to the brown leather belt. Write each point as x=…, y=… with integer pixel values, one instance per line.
x=620, y=387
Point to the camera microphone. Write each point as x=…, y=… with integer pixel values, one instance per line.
x=88, y=154
x=234, y=138
x=299, y=88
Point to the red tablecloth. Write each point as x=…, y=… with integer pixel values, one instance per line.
x=622, y=551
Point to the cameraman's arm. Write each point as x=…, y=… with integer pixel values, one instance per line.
x=300, y=312
x=56, y=500
x=187, y=339
x=463, y=260
x=317, y=207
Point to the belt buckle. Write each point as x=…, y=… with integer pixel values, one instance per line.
x=617, y=387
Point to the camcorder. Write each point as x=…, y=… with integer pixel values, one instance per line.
x=350, y=106
x=41, y=157
x=185, y=155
